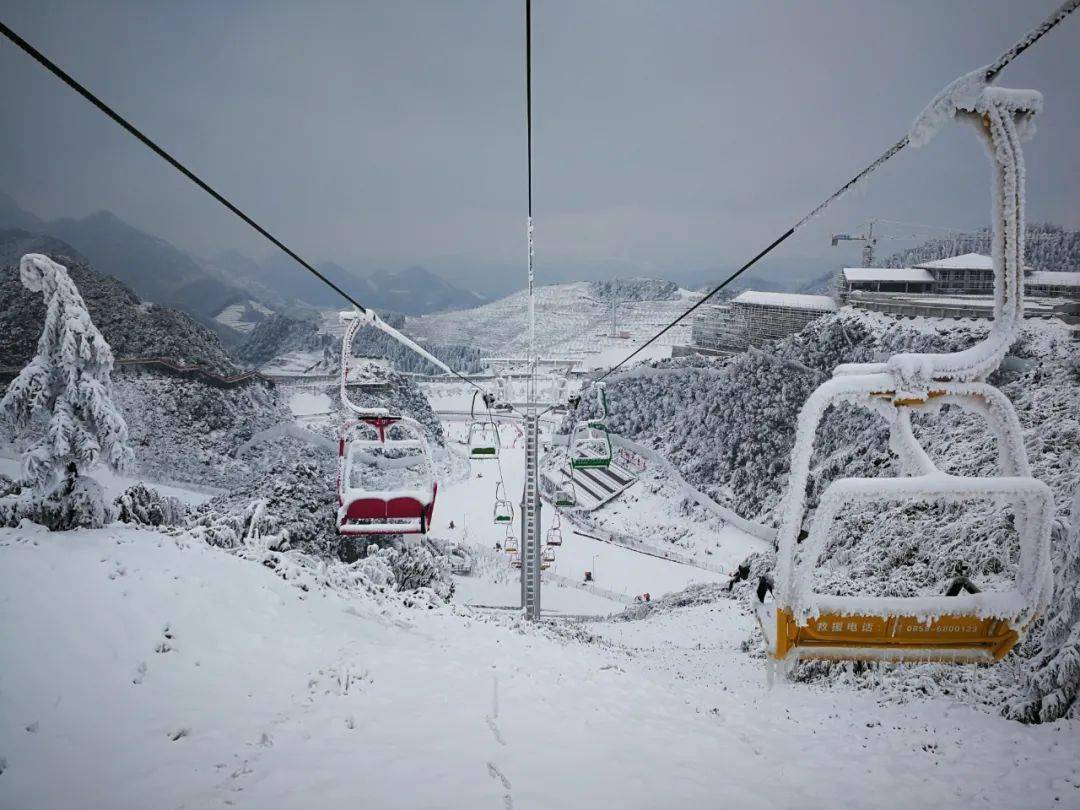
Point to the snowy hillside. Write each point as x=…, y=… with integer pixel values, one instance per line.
x=132, y=327
x=243, y=316
x=280, y=344
x=567, y=323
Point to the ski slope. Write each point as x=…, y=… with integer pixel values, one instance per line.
x=119, y=665
x=568, y=325
x=469, y=505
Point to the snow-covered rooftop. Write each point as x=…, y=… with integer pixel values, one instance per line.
x=776, y=299
x=887, y=274
x=1059, y=277
x=969, y=261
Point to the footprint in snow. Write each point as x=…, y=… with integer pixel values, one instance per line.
x=164, y=646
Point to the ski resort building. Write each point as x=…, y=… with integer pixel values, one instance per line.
x=753, y=318
x=970, y=274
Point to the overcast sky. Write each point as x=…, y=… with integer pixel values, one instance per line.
x=672, y=136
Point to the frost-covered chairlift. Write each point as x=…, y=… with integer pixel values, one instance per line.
x=554, y=532
x=504, y=509
x=483, y=438
x=963, y=624
x=386, y=480
x=510, y=544
x=565, y=493
x=590, y=444
x=547, y=557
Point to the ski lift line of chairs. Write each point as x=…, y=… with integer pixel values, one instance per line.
x=963, y=624
x=590, y=442
x=483, y=438
x=386, y=481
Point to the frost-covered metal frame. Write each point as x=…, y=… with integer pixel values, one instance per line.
x=364, y=512
x=590, y=443
x=971, y=626
x=389, y=511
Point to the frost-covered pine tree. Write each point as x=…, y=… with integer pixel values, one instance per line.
x=61, y=401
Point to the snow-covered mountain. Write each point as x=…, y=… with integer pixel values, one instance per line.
x=568, y=323
x=132, y=327
x=166, y=274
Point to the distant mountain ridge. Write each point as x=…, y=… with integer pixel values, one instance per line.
x=159, y=271
x=152, y=267
x=132, y=328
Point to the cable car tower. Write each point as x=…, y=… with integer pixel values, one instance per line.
x=531, y=554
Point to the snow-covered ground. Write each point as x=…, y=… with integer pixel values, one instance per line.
x=296, y=362
x=123, y=687
x=237, y=316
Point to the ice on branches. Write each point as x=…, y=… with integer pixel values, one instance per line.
x=61, y=402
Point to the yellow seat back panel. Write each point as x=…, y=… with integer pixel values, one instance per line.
x=959, y=632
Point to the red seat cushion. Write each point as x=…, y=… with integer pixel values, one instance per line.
x=367, y=509
x=404, y=508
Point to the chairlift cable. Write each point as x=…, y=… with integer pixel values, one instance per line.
x=109, y=112
x=992, y=70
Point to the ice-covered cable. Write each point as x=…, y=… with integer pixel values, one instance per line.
x=71, y=82
x=990, y=72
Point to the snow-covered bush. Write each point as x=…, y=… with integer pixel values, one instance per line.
x=146, y=506
x=8, y=485
x=76, y=502
x=415, y=567
x=60, y=404
x=296, y=503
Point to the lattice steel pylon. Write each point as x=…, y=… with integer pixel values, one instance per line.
x=530, y=519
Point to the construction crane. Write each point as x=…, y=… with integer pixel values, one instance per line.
x=868, y=239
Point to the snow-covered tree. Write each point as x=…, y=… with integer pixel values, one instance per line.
x=61, y=403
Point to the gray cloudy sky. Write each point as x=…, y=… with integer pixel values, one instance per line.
x=671, y=136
